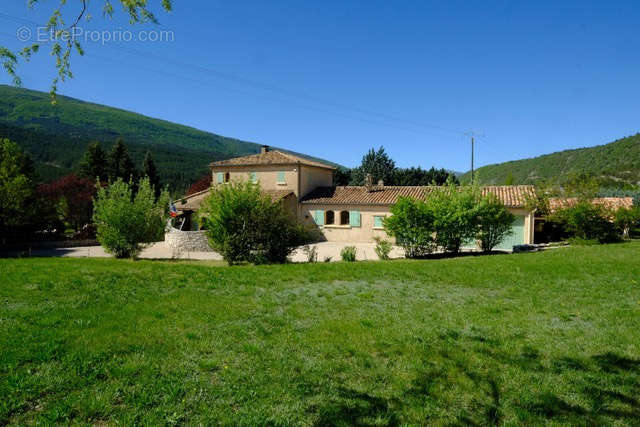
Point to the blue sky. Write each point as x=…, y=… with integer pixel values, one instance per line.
x=334, y=78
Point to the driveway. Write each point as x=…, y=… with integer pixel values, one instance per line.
x=325, y=250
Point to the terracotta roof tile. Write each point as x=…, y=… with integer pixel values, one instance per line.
x=614, y=203
x=512, y=196
x=272, y=157
x=193, y=202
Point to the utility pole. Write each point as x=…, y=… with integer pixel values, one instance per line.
x=473, y=143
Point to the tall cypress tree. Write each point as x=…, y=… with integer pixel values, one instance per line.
x=120, y=163
x=150, y=171
x=94, y=163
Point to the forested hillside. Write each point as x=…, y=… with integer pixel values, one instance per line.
x=56, y=136
x=616, y=164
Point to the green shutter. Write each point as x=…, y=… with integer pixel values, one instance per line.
x=253, y=177
x=354, y=218
x=318, y=217
x=220, y=177
x=377, y=221
x=281, y=178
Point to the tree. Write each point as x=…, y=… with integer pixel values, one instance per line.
x=65, y=41
x=126, y=223
x=71, y=198
x=628, y=221
x=494, y=222
x=150, y=171
x=16, y=190
x=202, y=184
x=94, y=163
x=454, y=215
x=341, y=176
x=120, y=165
x=586, y=221
x=378, y=164
x=412, y=224
x=244, y=225
x=421, y=177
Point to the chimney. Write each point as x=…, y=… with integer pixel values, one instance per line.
x=368, y=182
x=264, y=149
x=380, y=183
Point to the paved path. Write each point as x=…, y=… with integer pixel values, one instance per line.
x=364, y=251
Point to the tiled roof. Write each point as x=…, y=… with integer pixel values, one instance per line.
x=512, y=196
x=613, y=203
x=272, y=157
x=193, y=202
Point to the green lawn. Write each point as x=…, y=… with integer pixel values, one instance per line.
x=549, y=337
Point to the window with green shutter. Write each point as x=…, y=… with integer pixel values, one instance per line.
x=220, y=176
x=377, y=221
x=253, y=177
x=354, y=218
x=281, y=178
x=318, y=217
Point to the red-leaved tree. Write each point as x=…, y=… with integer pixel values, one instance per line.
x=72, y=199
x=200, y=185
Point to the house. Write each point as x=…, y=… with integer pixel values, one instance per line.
x=344, y=213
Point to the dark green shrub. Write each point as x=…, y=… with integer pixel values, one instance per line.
x=124, y=222
x=587, y=221
x=348, y=253
x=244, y=225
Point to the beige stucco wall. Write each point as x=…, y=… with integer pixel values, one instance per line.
x=345, y=233
x=312, y=178
x=366, y=232
x=267, y=176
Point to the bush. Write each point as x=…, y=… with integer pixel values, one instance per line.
x=454, y=213
x=411, y=223
x=124, y=222
x=245, y=225
x=628, y=221
x=587, y=221
x=494, y=222
x=311, y=252
x=348, y=253
x=383, y=248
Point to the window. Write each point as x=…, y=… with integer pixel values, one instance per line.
x=227, y=177
x=329, y=218
x=344, y=218
x=253, y=177
x=377, y=221
x=281, y=178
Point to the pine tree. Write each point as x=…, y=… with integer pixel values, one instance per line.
x=120, y=163
x=94, y=163
x=150, y=171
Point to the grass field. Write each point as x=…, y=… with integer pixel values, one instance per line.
x=549, y=337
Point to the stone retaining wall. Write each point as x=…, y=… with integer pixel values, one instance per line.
x=187, y=241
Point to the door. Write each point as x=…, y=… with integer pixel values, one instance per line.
x=516, y=237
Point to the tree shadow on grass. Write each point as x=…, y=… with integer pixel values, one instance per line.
x=459, y=383
x=353, y=408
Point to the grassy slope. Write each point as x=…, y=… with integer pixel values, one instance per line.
x=616, y=161
x=546, y=337
x=56, y=136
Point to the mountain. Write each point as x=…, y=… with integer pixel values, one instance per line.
x=616, y=164
x=56, y=136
